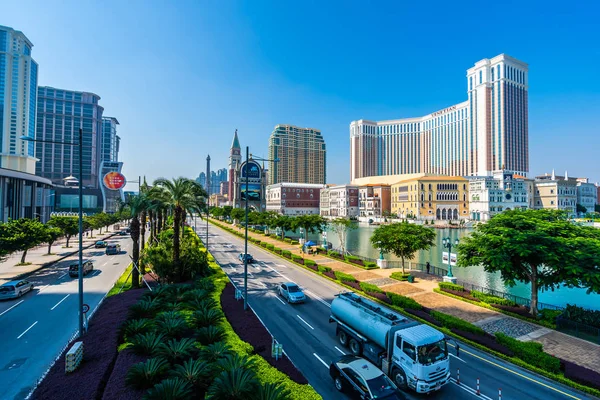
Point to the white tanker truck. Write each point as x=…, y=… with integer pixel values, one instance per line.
x=412, y=354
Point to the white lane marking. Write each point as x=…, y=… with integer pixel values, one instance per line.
x=337, y=348
x=470, y=390
x=320, y=359
x=40, y=290
x=262, y=284
x=282, y=266
x=32, y=325
x=279, y=273
x=13, y=306
x=305, y=322
x=457, y=358
x=282, y=302
x=63, y=299
x=311, y=294
x=62, y=275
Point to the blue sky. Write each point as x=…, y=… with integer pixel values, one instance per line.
x=181, y=76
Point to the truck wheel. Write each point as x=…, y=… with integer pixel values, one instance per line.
x=355, y=347
x=343, y=338
x=400, y=378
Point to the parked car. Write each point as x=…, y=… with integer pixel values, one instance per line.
x=88, y=267
x=123, y=233
x=113, y=248
x=248, y=257
x=14, y=289
x=359, y=377
x=292, y=292
x=100, y=244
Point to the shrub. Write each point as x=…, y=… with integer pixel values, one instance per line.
x=330, y=274
x=207, y=316
x=195, y=294
x=309, y=263
x=136, y=327
x=370, y=265
x=198, y=304
x=277, y=250
x=297, y=259
x=238, y=383
x=519, y=310
x=335, y=254
x=530, y=352
x=343, y=277
x=354, y=260
x=176, y=351
x=235, y=361
x=381, y=296
x=276, y=391
x=451, y=286
x=210, y=334
x=323, y=268
x=450, y=321
x=146, y=344
x=198, y=373
x=288, y=240
x=171, y=323
x=270, y=246
x=462, y=293
x=549, y=315
x=215, y=351
x=399, y=276
x=370, y=288
x=264, y=244
x=144, y=375
x=583, y=316
x=424, y=315
x=403, y=301
x=492, y=299
x=267, y=234
x=170, y=389
x=294, y=242
x=486, y=340
x=354, y=285
x=145, y=309
x=286, y=253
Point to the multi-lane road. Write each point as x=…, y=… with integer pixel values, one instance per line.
x=309, y=339
x=36, y=327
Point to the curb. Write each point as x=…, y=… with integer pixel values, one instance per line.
x=49, y=263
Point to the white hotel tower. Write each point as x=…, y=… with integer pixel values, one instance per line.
x=486, y=133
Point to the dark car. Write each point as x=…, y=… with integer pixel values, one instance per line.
x=123, y=233
x=248, y=257
x=113, y=248
x=361, y=379
x=100, y=244
x=88, y=267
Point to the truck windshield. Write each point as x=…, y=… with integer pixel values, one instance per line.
x=432, y=352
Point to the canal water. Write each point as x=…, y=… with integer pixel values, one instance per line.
x=358, y=243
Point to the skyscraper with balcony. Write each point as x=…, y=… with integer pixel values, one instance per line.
x=301, y=153
x=486, y=133
x=60, y=114
x=18, y=90
x=109, y=148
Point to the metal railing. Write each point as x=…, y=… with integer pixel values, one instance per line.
x=573, y=328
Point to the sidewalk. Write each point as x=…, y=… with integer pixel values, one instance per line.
x=39, y=258
x=556, y=343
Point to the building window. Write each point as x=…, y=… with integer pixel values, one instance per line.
x=480, y=76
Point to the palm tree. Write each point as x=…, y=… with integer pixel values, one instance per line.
x=180, y=195
x=136, y=204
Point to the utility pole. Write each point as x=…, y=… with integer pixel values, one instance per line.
x=246, y=236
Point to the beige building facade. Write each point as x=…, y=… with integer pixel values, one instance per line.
x=556, y=193
x=374, y=201
x=339, y=201
x=431, y=198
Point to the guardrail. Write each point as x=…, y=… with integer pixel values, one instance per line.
x=582, y=331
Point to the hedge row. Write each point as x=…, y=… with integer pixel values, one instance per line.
x=451, y=286
x=492, y=299
x=399, y=276
x=343, y=277
x=403, y=301
x=531, y=352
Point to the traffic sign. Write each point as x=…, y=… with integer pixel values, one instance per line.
x=85, y=308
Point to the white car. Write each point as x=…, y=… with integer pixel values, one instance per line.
x=14, y=289
x=291, y=292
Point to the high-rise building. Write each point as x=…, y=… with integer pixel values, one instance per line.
x=301, y=153
x=216, y=178
x=201, y=179
x=486, y=133
x=18, y=90
x=60, y=115
x=109, y=150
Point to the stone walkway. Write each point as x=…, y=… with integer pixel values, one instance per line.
x=558, y=344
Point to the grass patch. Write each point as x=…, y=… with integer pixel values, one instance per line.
x=117, y=286
x=22, y=264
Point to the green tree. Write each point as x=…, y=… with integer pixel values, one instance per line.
x=538, y=247
x=216, y=212
x=341, y=227
x=312, y=223
x=227, y=211
x=69, y=226
x=238, y=214
x=52, y=234
x=284, y=222
x=136, y=205
x=403, y=239
x=580, y=208
x=25, y=233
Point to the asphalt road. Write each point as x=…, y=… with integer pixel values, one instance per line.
x=309, y=339
x=36, y=327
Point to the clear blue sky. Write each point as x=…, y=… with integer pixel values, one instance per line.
x=181, y=76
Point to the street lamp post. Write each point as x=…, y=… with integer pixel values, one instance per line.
x=80, y=268
x=447, y=243
x=248, y=158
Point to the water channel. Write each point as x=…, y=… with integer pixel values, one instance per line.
x=358, y=243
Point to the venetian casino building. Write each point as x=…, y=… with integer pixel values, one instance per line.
x=486, y=133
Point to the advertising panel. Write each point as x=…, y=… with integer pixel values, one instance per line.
x=253, y=192
x=445, y=258
x=251, y=170
x=114, y=180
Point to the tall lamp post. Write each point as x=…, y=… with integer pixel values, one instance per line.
x=447, y=243
x=248, y=158
x=79, y=144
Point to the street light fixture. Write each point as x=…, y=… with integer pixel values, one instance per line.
x=248, y=158
x=80, y=268
x=447, y=243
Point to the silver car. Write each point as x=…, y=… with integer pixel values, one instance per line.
x=14, y=289
x=291, y=292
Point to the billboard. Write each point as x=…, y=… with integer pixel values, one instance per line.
x=445, y=258
x=253, y=191
x=114, y=180
x=251, y=169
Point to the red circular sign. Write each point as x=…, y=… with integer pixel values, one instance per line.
x=114, y=181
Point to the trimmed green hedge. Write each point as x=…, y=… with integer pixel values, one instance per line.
x=451, y=286
x=335, y=254
x=403, y=301
x=399, y=276
x=531, y=352
x=270, y=246
x=492, y=299
x=450, y=321
x=343, y=277
x=370, y=265
x=323, y=268
x=286, y=253
x=294, y=242
x=288, y=240
x=309, y=263
x=369, y=287
x=297, y=259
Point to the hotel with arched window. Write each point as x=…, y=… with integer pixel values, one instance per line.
x=486, y=133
